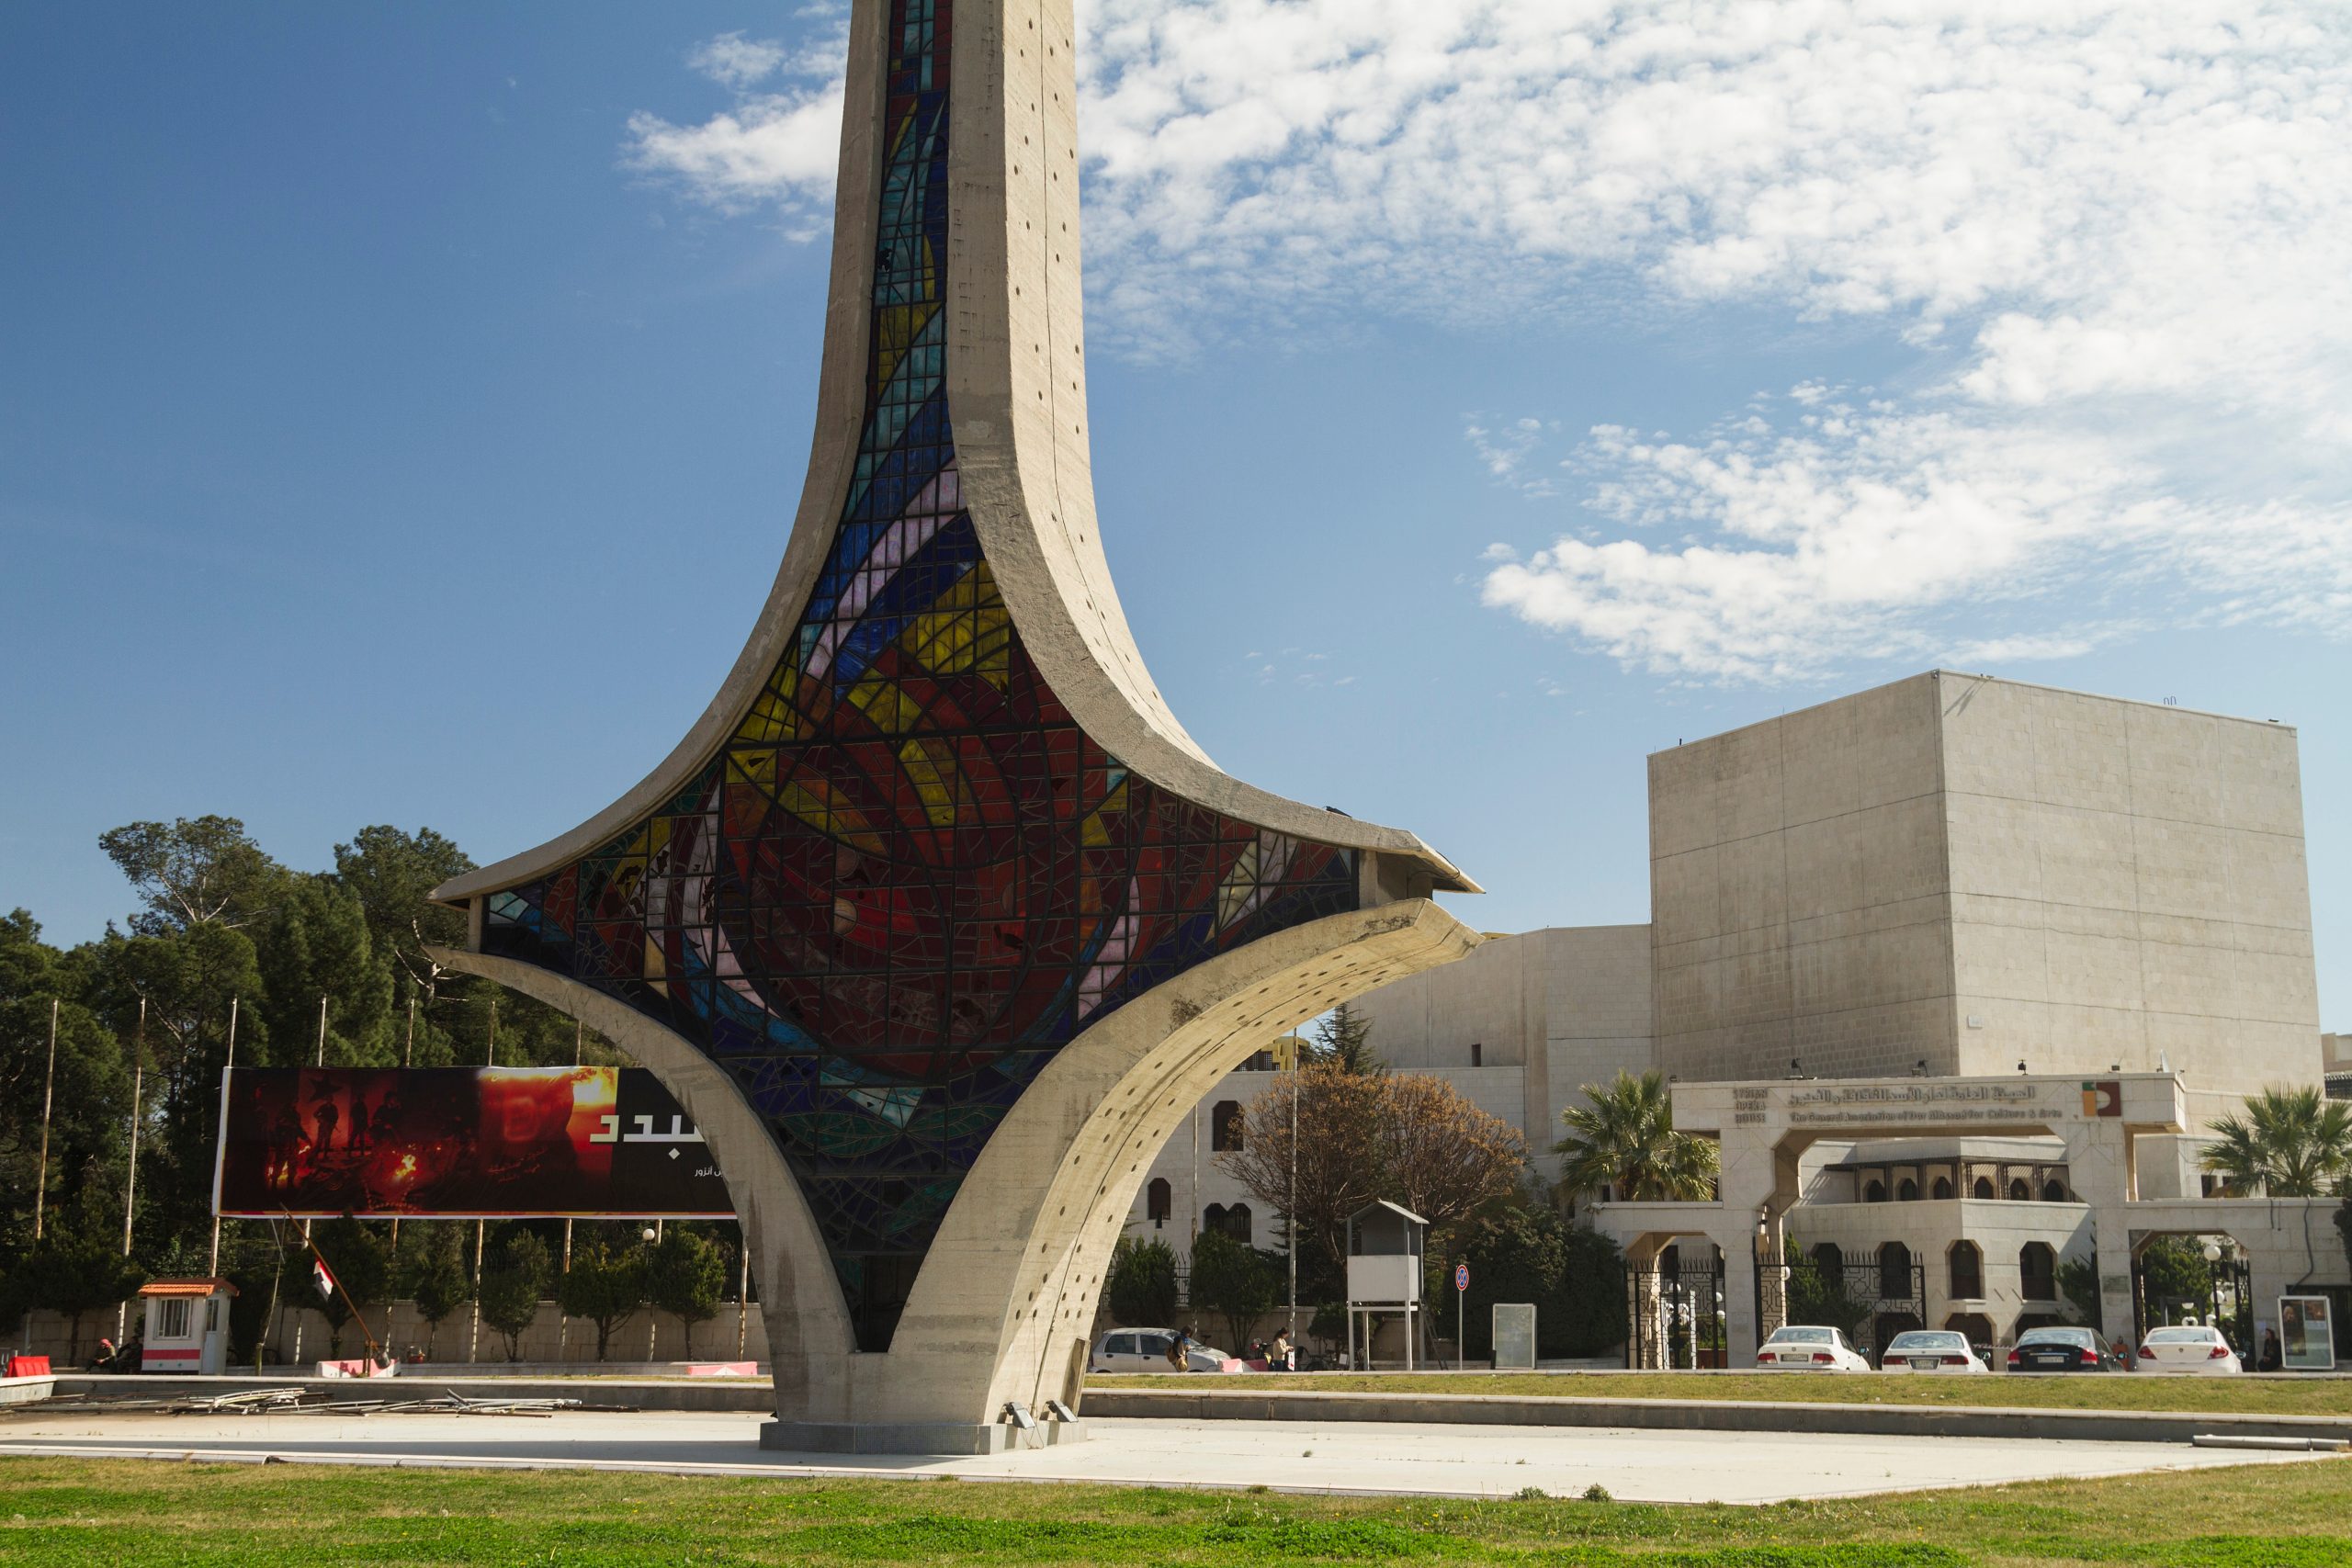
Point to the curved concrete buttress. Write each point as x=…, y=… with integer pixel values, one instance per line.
x=1011, y=1280
x=809, y=1333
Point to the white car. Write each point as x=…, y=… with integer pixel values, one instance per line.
x=2193, y=1349
x=1146, y=1350
x=1810, y=1350
x=1929, y=1350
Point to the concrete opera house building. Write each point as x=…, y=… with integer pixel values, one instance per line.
x=1959, y=969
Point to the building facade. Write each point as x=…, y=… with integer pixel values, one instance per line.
x=1951, y=877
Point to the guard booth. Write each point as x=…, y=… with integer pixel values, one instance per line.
x=186, y=1327
x=1385, y=1245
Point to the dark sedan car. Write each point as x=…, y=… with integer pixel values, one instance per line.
x=2061, y=1350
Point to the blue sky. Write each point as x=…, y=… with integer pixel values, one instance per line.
x=402, y=410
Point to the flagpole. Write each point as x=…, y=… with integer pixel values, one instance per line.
x=473, y=1332
x=563, y=1322
x=130, y=1182
x=41, y=1182
x=298, y=1325
x=212, y=1265
x=408, y=1049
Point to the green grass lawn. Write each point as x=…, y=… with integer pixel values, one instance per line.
x=2133, y=1391
x=132, y=1514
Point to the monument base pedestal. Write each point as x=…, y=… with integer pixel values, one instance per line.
x=915, y=1436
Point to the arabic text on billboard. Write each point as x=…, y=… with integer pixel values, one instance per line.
x=461, y=1143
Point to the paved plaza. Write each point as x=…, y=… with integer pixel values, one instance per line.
x=1448, y=1460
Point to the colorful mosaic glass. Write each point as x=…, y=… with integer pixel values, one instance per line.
x=908, y=877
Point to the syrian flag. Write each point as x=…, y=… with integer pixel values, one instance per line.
x=321, y=1278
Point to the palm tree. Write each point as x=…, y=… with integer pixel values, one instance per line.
x=1624, y=1140
x=2290, y=1143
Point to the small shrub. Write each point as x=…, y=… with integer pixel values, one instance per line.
x=1530, y=1495
x=1596, y=1492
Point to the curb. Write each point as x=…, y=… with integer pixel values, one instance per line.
x=1705, y=1416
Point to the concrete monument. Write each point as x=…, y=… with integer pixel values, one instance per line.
x=937, y=921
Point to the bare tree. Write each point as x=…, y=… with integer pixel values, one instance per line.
x=1338, y=1152
x=1441, y=1156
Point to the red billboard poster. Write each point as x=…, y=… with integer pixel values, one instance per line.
x=461, y=1143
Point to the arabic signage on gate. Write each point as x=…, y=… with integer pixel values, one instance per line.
x=461, y=1143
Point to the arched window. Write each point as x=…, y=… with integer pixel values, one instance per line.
x=2053, y=1192
x=1909, y=1193
x=1983, y=1188
x=1158, y=1203
x=1225, y=1127
x=1943, y=1187
x=1213, y=1217
x=1976, y=1324
x=1874, y=1193
x=2037, y=1272
x=1237, y=1221
x=1893, y=1271
x=1965, y=1262
x=2021, y=1190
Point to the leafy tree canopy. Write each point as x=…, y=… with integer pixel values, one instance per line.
x=1622, y=1138
x=194, y=871
x=2289, y=1143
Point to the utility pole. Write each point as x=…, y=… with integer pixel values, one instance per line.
x=48, y=1084
x=408, y=1049
x=131, y=1183
x=1290, y=1221
x=563, y=1323
x=473, y=1332
x=212, y=1259
x=306, y=1225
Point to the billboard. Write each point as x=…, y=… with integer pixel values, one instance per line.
x=460, y=1143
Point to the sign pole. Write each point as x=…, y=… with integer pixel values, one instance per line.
x=1460, y=1298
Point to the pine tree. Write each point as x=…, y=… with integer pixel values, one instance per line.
x=1343, y=1039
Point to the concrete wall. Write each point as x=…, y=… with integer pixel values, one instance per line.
x=2126, y=886
x=1799, y=904
x=1972, y=873
x=1549, y=1012
x=647, y=1336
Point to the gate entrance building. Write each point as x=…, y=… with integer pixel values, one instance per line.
x=937, y=922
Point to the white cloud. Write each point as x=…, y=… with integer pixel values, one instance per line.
x=733, y=61
x=2114, y=237
x=773, y=149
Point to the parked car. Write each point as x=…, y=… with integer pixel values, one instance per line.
x=2061, y=1350
x=1146, y=1350
x=2196, y=1349
x=1929, y=1350
x=1804, y=1348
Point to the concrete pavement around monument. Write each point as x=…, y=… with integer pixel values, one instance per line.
x=1489, y=1461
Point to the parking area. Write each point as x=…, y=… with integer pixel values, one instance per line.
x=1393, y=1458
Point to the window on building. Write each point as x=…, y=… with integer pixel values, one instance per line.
x=2037, y=1272
x=1159, y=1201
x=1262, y=1062
x=2021, y=1190
x=1893, y=1271
x=2053, y=1192
x=1983, y=1188
x=1943, y=1188
x=1875, y=1192
x=1237, y=1221
x=1830, y=1262
x=1477, y=1055
x=1213, y=1217
x=1225, y=1127
x=171, y=1318
x=1909, y=1193
x=1966, y=1266
x=1976, y=1324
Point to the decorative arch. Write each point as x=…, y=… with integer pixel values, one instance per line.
x=1226, y=1126
x=2038, y=1272
x=1965, y=1271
